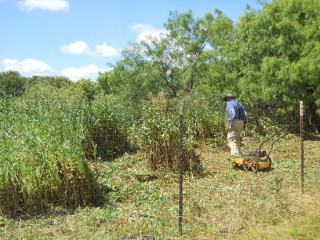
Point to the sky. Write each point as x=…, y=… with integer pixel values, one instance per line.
x=78, y=38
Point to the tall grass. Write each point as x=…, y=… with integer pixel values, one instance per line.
x=42, y=160
x=159, y=136
x=159, y=132
x=205, y=122
x=108, y=132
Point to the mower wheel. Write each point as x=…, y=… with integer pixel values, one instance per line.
x=250, y=164
x=255, y=166
x=246, y=165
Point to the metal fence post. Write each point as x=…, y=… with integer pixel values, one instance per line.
x=301, y=147
x=181, y=169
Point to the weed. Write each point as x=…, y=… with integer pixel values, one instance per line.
x=233, y=176
x=277, y=183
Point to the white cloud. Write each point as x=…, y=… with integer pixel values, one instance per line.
x=52, y=5
x=75, y=74
x=106, y=50
x=147, y=31
x=81, y=47
x=30, y=66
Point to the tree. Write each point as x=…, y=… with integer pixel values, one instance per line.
x=11, y=84
x=58, y=81
x=103, y=83
x=177, y=54
x=185, y=54
x=275, y=51
x=176, y=63
x=132, y=78
x=88, y=87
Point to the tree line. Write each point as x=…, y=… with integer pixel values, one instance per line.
x=270, y=54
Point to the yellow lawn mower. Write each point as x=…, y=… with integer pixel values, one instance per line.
x=255, y=159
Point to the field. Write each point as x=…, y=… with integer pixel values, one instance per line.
x=221, y=203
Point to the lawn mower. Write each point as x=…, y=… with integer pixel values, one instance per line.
x=255, y=159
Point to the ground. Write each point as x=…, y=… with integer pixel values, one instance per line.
x=220, y=203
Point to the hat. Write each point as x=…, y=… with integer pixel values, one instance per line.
x=229, y=95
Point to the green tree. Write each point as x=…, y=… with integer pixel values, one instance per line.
x=177, y=54
x=183, y=61
x=103, y=82
x=274, y=53
x=57, y=81
x=212, y=71
x=88, y=87
x=11, y=84
x=185, y=54
x=133, y=78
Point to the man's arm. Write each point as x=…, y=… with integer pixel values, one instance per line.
x=231, y=113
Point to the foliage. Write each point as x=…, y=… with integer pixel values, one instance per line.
x=205, y=121
x=52, y=125
x=159, y=136
x=42, y=161
x=223, y=204
x=11, y=84
x=264, y=57
x=274, y=52
x=103, y=83
x=176, y=63
x=88, y=87
x=107, y=132
x=132, y=78
x=57, y=82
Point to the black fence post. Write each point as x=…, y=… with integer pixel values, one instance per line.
x=181, y=169
x=301, y=147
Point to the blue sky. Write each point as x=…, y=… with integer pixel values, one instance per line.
x=77, y=38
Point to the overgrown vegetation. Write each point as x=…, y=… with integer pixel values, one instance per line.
x=224, y=203
x=42, y=161
x=102, y=157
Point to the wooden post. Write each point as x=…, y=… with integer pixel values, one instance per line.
x=301, y=147
x=181, y=170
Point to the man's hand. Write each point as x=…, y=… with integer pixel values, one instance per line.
x=228, y=126
x=244, y=127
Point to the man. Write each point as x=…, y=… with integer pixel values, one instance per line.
x=237, y=121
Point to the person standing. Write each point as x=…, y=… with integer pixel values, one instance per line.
x=237, y=122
